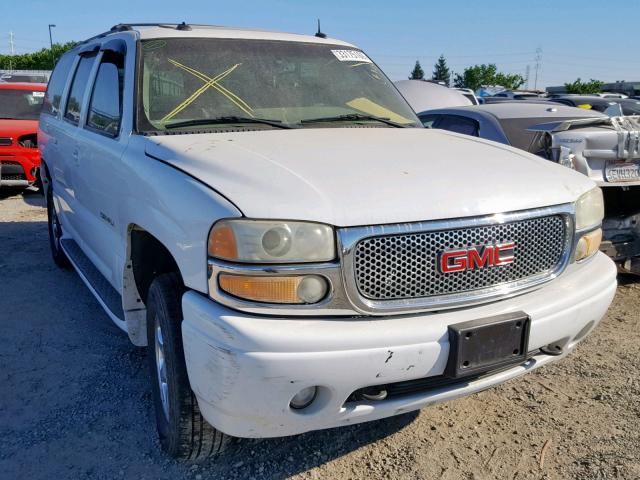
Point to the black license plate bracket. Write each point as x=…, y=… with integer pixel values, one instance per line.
x=485, y=344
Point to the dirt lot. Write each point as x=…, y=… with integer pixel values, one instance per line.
x=75, y=402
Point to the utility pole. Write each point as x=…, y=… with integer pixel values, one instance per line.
x=13, y=50
x=538, y=60
x=527, y=74
x=53, y=57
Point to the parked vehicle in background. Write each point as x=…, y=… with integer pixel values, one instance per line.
x=469, y=94
x=603, y=148
x=518, y=95
x=423, y=95
x=20, y=105
x=23, y=78
x=265, y=212
x=487, y=100
x=505, y=122
x=607, y=150
x=591, y=102
x=611, y=95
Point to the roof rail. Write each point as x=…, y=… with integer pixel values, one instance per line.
x=120, y=27
x=125, y=27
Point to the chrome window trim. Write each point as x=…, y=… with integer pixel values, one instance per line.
x=349, y=237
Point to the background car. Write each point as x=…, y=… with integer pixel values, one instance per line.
x=469, y=94
x=23, y=78
x=629, y=106
x=20, y=105
x=504, y=122
x=423, y=95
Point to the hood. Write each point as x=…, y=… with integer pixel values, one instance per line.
x=367, y=176
x=17, y=128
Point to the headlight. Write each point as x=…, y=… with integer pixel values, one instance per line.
x=589, y=210
x=265, y=241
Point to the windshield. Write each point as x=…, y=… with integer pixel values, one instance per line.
x=191, y=80
x=20, y=104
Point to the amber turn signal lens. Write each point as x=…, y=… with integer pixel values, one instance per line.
x=588, y=245
x=267, y=289
x=222, y=242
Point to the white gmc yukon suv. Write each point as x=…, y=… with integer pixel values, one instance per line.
x=266, y=214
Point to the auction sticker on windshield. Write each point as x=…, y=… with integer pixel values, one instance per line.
x=351, y=56
x=622, y=171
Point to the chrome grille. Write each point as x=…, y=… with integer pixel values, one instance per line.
x=404, y=266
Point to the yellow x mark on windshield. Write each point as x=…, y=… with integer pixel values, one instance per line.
x=209, y=83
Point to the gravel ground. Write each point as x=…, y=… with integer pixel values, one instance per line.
x=75, y=402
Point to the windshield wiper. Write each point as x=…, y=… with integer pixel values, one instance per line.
x=228, y=119
x=353, y=117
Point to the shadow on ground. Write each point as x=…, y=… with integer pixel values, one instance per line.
x=75, y=397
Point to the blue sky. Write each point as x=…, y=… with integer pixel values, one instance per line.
x=588, y=39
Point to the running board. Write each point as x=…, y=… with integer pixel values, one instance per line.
x=107, y=296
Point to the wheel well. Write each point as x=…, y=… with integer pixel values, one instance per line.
x=149, y=258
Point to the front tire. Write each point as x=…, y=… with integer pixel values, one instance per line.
x=55, y=232
x=183, y=432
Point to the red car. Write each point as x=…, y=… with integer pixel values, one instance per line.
x=20, y=105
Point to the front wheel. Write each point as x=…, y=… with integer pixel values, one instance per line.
x=183, y=432
x=55, y=232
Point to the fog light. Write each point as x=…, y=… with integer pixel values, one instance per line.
x=588, y=245
x=312, y=289
x=303, y=398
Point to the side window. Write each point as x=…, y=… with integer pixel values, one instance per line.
x=458, y=124
x=105, y=106
x=428, y=120
x=51, y=104
x=78, y=87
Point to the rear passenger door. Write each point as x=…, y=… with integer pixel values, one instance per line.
x=100, y=173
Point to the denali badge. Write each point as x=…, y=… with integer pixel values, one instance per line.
x=475, y=258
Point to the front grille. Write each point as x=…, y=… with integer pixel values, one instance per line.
x=404, y=266
x=16, y=177
x=5, y=141
x=10, y=170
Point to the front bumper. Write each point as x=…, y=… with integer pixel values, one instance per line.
x=18, y=166
x=244, y=369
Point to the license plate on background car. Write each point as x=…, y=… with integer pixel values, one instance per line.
x=487, y=344
x=622, y=171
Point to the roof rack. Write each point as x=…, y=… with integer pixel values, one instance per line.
x=120, y=27
x=125, y=27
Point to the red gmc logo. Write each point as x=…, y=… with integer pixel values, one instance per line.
x=474, y=258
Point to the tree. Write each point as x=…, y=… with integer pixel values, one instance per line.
x=441, y=72
x=592, y=86
x=477, y=75
x=417, y=73
x=40, y=60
